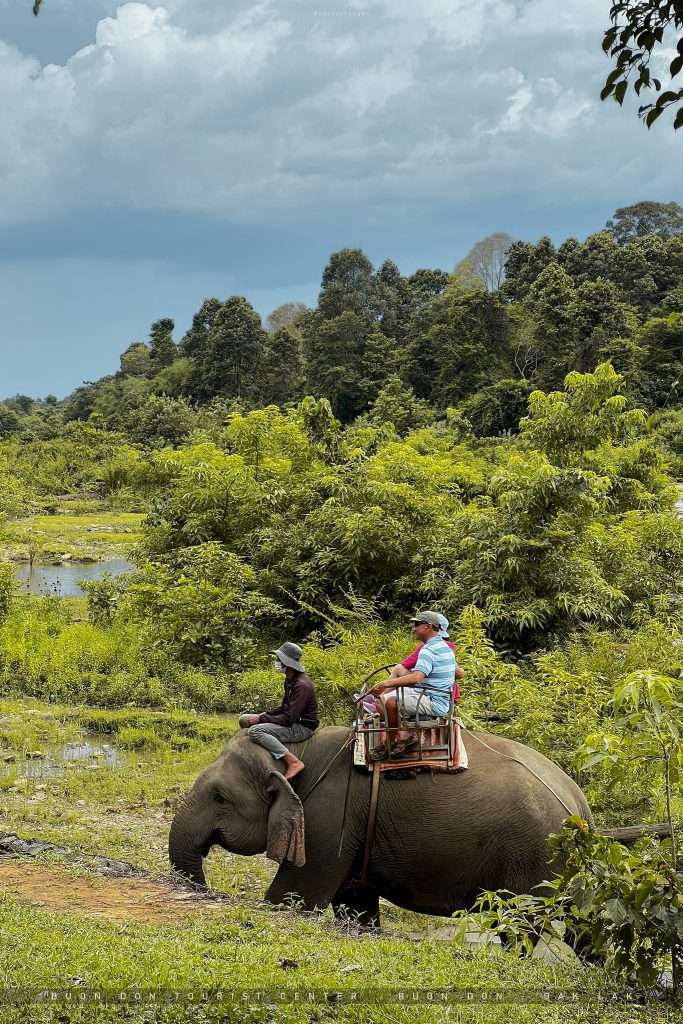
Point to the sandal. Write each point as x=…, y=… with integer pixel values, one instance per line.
x=403, y=746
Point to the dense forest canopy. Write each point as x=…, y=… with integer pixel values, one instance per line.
x=383, y=346
x=500, y=436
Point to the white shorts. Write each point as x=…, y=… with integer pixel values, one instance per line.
x=412, y=700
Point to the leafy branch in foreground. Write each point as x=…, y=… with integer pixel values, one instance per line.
x=636, y=39
x=627, y=906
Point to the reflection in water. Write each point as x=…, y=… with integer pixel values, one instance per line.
x=63, y=579
x=87, y=752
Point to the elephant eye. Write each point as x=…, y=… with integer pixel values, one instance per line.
x=219, y=798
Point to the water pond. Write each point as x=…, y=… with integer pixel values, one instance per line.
x=87, y=752
x=63, y=580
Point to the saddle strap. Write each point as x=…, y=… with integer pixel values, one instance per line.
x=372, y=820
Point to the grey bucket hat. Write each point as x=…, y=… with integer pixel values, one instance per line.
x=290, y=655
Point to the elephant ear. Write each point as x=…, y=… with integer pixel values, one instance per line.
x=286, y=838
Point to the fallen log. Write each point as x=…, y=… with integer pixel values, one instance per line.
x=631, y=833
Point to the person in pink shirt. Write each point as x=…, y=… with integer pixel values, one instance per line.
x=408, y=664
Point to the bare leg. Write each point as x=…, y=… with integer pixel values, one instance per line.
x=391, y=705
x=293, y=765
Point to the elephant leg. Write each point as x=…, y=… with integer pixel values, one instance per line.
x=357, y=905
x=315, y=888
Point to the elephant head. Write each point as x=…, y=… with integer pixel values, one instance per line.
x=242, y=803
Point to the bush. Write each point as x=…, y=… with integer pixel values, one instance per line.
x=202, y=606
x=6, y=589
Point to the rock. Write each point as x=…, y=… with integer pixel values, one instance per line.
x=34, y=755
x=7, y=758
x=552, y=950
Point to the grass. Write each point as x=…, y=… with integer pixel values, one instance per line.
x=126, y=812
x=254, y=949
x=48, y=647
x=91, y=535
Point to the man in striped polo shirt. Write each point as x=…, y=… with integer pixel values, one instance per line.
x=427, y=689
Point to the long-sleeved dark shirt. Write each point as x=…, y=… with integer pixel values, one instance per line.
x=298, y=705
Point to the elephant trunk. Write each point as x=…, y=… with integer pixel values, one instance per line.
x=184, y=852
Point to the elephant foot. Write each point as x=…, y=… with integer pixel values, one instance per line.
x=357, y=906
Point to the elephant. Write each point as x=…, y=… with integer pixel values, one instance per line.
x=441, y=838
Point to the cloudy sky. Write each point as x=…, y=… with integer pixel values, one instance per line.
x=151, y=155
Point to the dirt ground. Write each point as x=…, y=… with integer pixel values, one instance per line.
x=115, y=899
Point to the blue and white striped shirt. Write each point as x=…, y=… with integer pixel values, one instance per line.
x=437, y=663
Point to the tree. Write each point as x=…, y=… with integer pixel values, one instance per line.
x=196, y=339
x=470, y=346
x=497, y=408
x=229, y=363
x=660, y=378
x=646, y=218
x=282, y=368
x=286, y=315
x=9, y=421
x=162, y=348
x=426, y=285
x=525, y=261
x=395, y=302
x=164, y=419
x=596, y=257
x=485, y=262
x=396, y=403
x=348, y=285
x=639, y=35
x=551, y=300
x=135, y=361
x=598, y=318
x=382, y=358
x=334, y=353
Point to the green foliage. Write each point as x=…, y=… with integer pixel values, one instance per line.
x=635, y=39
x=103, y=597
x=162, y=421
x=626, y=905
x=202, y=605
x=228, y=352
x=6, y=589
x=667, y=427
x=46, y=649
x=498, y=408
x=396, y=404
x=647, y=725
x=647, y=218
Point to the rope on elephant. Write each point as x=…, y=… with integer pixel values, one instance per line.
x=347, y=743
x=524, y=765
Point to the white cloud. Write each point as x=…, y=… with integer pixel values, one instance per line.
x=281, y=109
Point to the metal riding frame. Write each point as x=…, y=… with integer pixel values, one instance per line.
x=436, y=736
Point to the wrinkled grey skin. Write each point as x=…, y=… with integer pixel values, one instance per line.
x=441, y=838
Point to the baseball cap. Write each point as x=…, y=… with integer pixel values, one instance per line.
x=431, y=618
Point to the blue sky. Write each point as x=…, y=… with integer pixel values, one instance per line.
x=155, y=154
